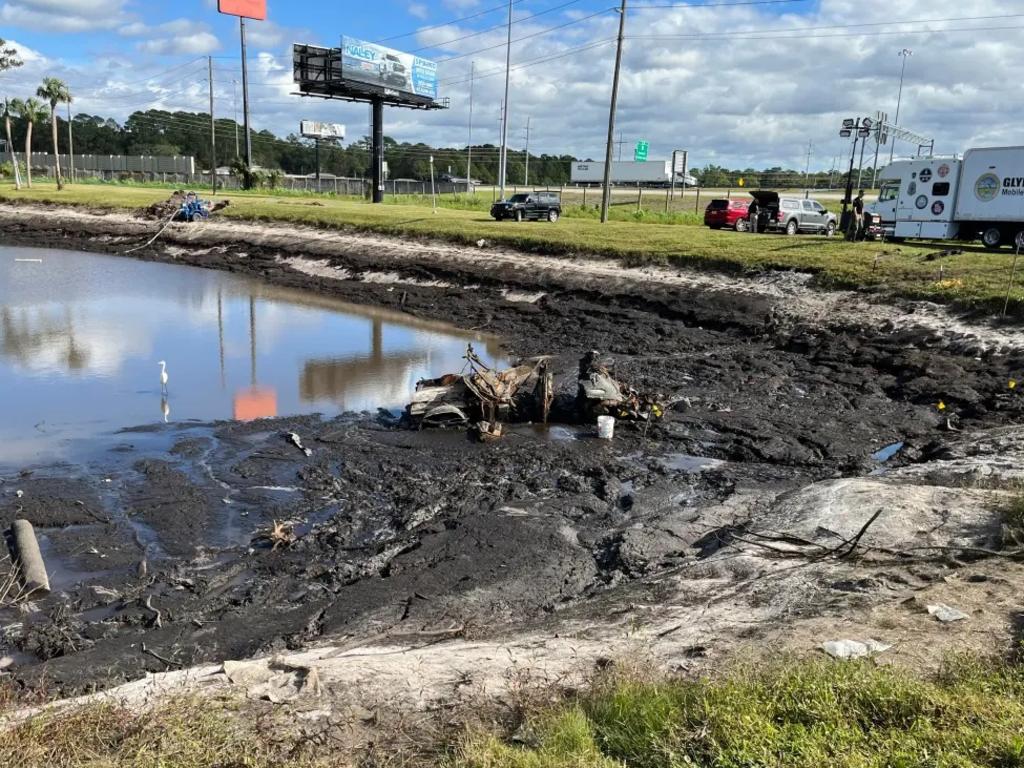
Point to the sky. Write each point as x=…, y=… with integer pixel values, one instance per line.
x=739, y=83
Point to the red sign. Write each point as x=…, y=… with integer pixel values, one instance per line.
x=250, y=9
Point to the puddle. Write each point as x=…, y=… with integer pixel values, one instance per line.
x=683, y=462
x=82, y=336
x=887, y=453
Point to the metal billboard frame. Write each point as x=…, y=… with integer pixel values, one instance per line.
x=317, y=72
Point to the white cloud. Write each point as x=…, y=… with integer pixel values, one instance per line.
x=418, y=10
x=180, y=36
x=63, y=15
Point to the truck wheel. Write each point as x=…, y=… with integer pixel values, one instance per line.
x=792, y=227
x=830, y=229
x=741, y=225
x=552, y=215
x=992, y=237
x=519, y=215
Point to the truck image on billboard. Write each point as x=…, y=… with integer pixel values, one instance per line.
x=387, y=68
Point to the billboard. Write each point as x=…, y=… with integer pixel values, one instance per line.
x=387, y=68
x=250, y=9
x=314, y=130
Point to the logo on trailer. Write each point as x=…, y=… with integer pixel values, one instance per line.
x=938, y=207
x=926, y=175
x=943, y=171
x=986, y=188
x=921, y=202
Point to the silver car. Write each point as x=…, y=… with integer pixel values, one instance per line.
x=793, y=214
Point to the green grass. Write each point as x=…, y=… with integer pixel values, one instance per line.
x=973, y=278
x=795, y=714
x=811, y=714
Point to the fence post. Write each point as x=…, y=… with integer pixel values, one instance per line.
x=639, y=198
x=696, y=206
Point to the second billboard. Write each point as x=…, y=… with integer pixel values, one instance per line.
x=385, y=67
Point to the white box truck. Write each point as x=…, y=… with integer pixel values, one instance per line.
x=628, y=172
x=978, y=196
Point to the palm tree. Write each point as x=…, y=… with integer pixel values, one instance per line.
x=32, y=111
x=8, y=108
x=55, y=91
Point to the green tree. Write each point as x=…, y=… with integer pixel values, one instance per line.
x=8, y=56
x=55, y=91
x=32, y=111
x=10, y=143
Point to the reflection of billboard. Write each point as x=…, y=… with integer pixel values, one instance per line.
x=387, y=68
x=314, y=130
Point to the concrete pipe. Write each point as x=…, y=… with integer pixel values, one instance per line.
x=33, y=569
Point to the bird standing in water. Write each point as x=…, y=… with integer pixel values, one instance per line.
x=163, y=376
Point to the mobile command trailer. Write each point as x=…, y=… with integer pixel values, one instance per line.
x=979, y=196
x=654, y=172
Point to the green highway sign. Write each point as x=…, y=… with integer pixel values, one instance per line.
x=640, y=153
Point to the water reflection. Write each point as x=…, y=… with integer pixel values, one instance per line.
x=81, y=336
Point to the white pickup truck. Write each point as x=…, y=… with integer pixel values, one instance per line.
x=978, y=196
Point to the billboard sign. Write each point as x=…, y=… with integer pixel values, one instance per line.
x=249, y=9
x=314, y=130
x=387, y=68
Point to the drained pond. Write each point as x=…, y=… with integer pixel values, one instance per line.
x=82, y=337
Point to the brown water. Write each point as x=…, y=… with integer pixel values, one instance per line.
x=81, y=336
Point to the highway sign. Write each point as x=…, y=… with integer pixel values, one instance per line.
x=640, y=153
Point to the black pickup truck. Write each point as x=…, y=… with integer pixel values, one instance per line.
x=536, y=205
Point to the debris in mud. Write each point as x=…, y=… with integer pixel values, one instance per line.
x=853, y=649
x=280, y=535
x=297, y=442
x=181, y=202
x=946, y=614
x=487, y=398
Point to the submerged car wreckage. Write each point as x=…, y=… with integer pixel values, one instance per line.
x=485, y=399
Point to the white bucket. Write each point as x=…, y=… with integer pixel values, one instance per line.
x=606, y=427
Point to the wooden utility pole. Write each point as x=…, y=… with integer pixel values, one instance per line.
x=213, y=132
x=503, y=159
x=606, y=196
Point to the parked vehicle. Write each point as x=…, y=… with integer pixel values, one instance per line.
x=727, y=214
x=536, y=205
x=793, y=214
x=977, y=197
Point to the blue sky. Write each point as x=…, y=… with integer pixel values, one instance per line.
x=737, y=83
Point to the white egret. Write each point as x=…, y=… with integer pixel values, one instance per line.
x=163, y=375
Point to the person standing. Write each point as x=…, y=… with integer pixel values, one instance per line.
x=753, y=212
x=856, y=231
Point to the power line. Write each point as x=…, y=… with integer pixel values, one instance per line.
x=476, y=15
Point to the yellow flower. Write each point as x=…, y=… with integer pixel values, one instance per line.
x=1013, y=384
x=941, y=406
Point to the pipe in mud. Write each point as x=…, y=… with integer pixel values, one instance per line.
x=33, y=568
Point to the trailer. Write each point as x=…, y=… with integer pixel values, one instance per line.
x=979, y=196
x=651, y=173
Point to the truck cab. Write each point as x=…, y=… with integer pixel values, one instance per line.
x=917, y=198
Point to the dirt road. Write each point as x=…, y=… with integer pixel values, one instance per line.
x=780, y=394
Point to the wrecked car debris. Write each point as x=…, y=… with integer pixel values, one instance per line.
x=487, y=399
x=297, y=442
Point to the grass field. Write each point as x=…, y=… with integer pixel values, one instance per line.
x=795, y=714
x=972, y=278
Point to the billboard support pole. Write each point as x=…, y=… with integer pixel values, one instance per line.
x=245, y=97
x=317, y=164
x=607, y=193
x=503, y=160
x=377, y=151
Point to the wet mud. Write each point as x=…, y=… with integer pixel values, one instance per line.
x=158, y=542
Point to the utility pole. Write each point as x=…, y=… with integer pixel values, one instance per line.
x=526, y=181
x=213, y=132
x=71, y=145
x=245, y=96
x=607, y=192
x=469, y=144
x=904, y=54
x=503, y=160
x=234, y=88
x=807, y=171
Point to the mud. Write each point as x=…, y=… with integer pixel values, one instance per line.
x=414, y=537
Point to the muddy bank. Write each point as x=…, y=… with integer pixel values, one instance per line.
x=417, y=537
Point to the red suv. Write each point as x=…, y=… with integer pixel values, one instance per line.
x=727, y=213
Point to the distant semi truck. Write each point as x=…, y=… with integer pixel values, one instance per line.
x=652, y=172
x=979, y=196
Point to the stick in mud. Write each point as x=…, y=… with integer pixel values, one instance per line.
x=33, y=567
